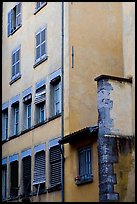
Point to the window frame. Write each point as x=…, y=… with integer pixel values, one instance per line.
x=16, y=122
x=57, y=99
x=44, y=56
x=29, y=116
x=12, y=19
x=5, y=120
x=37, y=9
x=87, y=175
x=17, y=74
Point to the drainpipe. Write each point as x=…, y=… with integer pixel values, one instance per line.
x=62, y=107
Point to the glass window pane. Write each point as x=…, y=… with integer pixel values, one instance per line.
x=18, y=55
x=29, y=110
x=43, y=49
x=37, y=53
x=17, y=68
x=37, y=5
x=13, y=70
x=29, y=122
x=13, y=59
x=37, y=39
x=43, y=36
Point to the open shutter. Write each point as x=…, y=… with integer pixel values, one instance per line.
x=40, y=95
x=9, y=23
x=39, y=169
x=18, y=15
x=55, y=165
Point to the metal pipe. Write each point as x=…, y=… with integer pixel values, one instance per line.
x=62, y=107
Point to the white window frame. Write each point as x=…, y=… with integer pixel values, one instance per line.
x=16, y=62
x=56, y=102
x=40, y=44
x=29, y=117
x=5, y=125
x=16, y=123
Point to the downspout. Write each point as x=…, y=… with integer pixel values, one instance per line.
x=62, y=107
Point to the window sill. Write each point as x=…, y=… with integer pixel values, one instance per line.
x=37, y=10
x=54, y=188
x=84, y=181
x=54, y=117
x=15, y=79
x=39, y=62
x=14, y=30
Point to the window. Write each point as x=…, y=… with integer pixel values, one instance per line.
x=39, y=5
x=85, y=165
x=4, y=124
x=40, y=103
x=27, y=112
x=15, y=119
x=15, y=64
x=4, y=178
x=55, y=165
x=55, y=96
x=14, y=19
x=41, y=45
x=14, y=115
x=14, y=176
x=29, y=115
x=39, y=168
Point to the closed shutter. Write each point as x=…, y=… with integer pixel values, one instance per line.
x=27, y=175
x=39, y=169
x=55, y=165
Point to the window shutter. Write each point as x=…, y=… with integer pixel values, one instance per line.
x=4, y=174
x=40, y=95
x=27, y=174
x=55, y=165
x=18, y=15
x=9, y=23
x=39, y=168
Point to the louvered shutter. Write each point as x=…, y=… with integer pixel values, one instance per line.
x=39, y=168
x=27, y=175
x=40, y=95
x=9, y=23
x=55, y=165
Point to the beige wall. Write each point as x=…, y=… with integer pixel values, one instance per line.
x=128, y=9
x=95, y=31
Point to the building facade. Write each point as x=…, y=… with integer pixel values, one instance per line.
x=58, y=126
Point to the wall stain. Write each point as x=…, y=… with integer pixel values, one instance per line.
x=124, y=167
